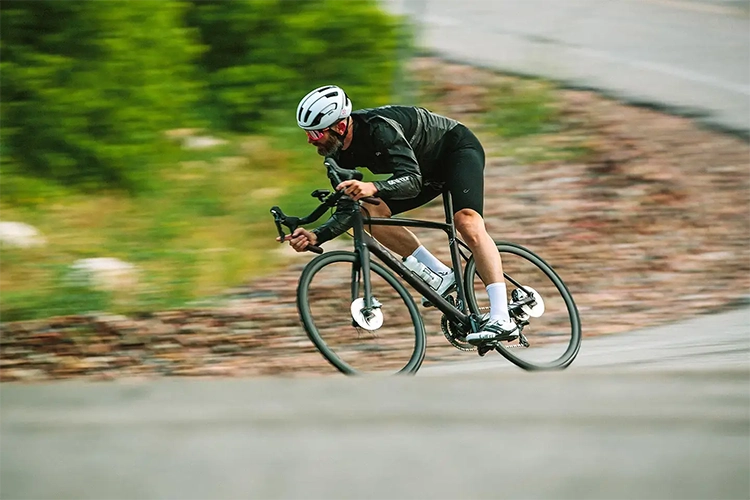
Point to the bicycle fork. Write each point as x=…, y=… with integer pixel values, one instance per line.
x=365, y=311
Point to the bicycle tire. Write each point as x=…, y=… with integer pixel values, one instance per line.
x=313, y=333
x=507, y=249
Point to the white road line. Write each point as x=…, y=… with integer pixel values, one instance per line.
x=666, y=69
x=696, y=7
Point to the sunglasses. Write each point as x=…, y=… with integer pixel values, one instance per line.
x=314, y=135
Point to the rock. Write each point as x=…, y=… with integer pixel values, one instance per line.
x=193, y=142
x=20, y=235
x=226, y=348
x=23, y=374
x=134, y=340
x=104, y=273
x=165, y=346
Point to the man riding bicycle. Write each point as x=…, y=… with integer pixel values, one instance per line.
x=425, y=153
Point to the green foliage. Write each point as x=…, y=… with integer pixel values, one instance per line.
x=28, y=190
x=521, y=108
x=62, y=298
x=264, y=55
x=205, y=227
x=88, y=89
x=530, y=117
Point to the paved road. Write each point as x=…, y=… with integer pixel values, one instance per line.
x=661, y=414
x=710, y=342
x=580, y=434
x=690, y=56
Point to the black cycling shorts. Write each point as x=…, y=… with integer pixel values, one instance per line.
x=461, y=171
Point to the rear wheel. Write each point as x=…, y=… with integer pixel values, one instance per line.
x=389, y=338
x=539, y=302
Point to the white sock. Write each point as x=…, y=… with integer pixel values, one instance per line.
x=498, y=302
x=425, y=257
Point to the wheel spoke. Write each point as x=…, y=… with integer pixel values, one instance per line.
x=554, y=336
x=389, y=338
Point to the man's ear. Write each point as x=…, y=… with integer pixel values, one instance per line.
x=340, y=127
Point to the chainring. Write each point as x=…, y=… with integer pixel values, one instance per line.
x=453, y=332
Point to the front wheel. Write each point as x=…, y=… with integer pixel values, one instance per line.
x=550, y=324
x=389, y=338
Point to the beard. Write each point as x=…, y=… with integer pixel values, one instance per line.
x=330, y=146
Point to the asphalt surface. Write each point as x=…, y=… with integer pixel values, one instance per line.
x=573, y=435
x=662, y=413
x=710, y=342
x=686, y=56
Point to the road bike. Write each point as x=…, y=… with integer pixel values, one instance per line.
x=358, y=312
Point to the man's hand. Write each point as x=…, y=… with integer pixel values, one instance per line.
x=300, y=239
x=357, y=189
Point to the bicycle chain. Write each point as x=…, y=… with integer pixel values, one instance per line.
x=454, y=338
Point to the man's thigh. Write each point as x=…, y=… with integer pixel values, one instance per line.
x=429, y=192
x=464, y=178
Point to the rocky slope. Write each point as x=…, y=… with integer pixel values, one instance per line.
x=649, y=226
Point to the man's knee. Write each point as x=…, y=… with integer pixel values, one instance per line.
x=470, y=224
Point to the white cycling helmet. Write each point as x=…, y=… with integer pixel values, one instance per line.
x=323, y=107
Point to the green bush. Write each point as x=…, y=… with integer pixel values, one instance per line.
x=88, y=88
x=524, y=107
x=264, y=55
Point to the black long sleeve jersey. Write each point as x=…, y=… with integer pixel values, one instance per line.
x=405, y=141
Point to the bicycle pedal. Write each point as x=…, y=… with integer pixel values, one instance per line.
x=484, y=349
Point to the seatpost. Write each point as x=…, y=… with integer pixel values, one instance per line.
x=448, y=206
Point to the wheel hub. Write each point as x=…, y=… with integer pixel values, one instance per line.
x=367, y=318
x=535, y=310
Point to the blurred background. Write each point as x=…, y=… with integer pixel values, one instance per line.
x=159, y=133
x=144, y=143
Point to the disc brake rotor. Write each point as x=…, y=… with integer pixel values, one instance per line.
x=537, y=309
x=371, y=319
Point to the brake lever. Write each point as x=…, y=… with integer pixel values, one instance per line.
x=292, y=223
x=278, y=218
x=320, y=194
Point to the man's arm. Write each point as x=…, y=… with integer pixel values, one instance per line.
x=406, y=181
x=338, y=223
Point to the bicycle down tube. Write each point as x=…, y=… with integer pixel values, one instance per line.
x=366, y=244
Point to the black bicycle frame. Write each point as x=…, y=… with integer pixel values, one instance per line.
x=364, y=244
